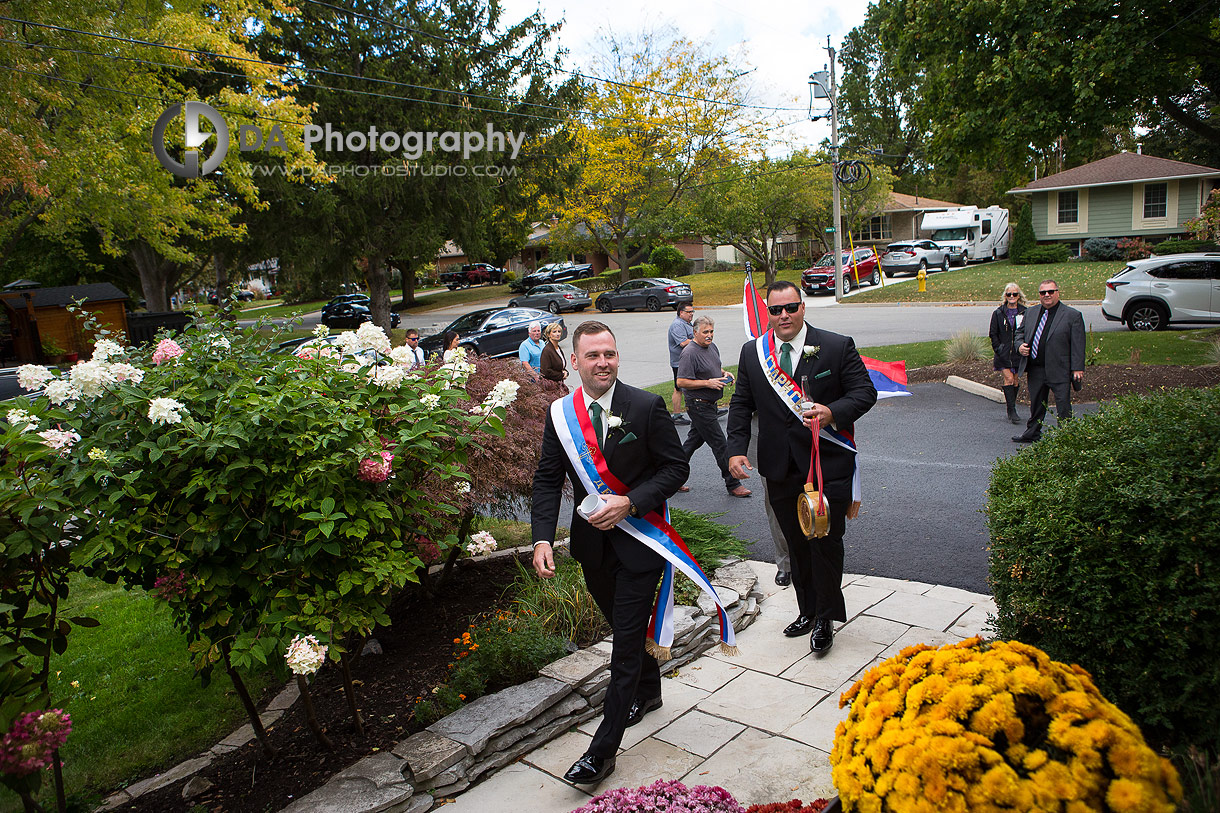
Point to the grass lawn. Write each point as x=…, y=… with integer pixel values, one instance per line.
x=724, y=287
x=135, y=702
x=984, y=283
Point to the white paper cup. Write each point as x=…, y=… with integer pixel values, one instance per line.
x=591, y=504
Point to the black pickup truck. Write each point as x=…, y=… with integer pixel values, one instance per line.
x=554, y=272
x=472, y=274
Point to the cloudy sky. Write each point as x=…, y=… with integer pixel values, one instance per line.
x=784, y=40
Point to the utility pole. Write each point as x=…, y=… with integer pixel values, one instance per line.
x=825, y=82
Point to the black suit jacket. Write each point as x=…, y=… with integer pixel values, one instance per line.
x=1062, y=345
x=837, y=378
x=651, y=465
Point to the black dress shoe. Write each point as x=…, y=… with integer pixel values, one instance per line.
x=640, y=708
x=589, y=770
x=823, y=637
x=798, y=627
x=1026, y=438
x=783, y=578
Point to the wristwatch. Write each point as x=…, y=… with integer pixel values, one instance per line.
x=634, y=511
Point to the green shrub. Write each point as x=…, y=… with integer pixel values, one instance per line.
x=562, y=603
x=1023, y=238
x=1175, y=245
x=1102, y=248
x=1105, y=549
x=709, y=542
x=1043, y=255
x=964, y=346
x=644, y=270
x=668, y=260
x=509, y=276
x=719, y=266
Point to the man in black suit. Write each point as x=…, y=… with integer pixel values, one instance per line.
x=841, y=391
x=641, y=449
x=1053, y=355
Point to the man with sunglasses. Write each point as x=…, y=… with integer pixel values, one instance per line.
x=1053, y=355
x=838, y=391
x=412, y=344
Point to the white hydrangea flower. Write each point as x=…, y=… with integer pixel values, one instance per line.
x=61, y=392
x=349, y=343
x=105, y=349
x=481, y=543
x=123, y=371
x=431, y=400
x=59, y=440
x=389, y=376
x=402, y=355
x=91, y=377
x=165, y=410
x=99, y=455
x=21, y=420
x=373, y=338
x=305, y=655
x=218, y=342
x=503, y=393
x=463, y=487
x=33, y=376
x=321, y=331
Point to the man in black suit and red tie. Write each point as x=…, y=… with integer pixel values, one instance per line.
x=641, y=457
x=838, y=392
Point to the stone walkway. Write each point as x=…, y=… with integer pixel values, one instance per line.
x=761, y=724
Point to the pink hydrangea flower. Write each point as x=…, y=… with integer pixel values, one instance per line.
x=375, y=469
x=166, y=349
x=27, y=747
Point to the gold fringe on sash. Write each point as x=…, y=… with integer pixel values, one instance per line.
x=729, y=651
x=854, y=510
x=661, y=653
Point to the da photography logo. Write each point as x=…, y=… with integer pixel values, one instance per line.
x=195, y=138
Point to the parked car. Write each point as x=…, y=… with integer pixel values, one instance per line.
x=491, y=331
x=552, y=272
x=472, y=274
x=913, y=256
x=1150, y=294
x=653, y=293
x=351, y=311
x=555, y=297
x=242, y=296
x=820, y=278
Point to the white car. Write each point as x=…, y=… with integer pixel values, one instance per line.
x=1150, y=294
x=912, y=256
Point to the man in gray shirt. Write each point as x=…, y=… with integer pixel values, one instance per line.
x=702, y=377
x=680, y=334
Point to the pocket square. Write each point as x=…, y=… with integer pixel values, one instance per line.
x=822, y=374
x=627, y=438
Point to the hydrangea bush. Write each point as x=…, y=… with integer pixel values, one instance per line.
x=278, y=495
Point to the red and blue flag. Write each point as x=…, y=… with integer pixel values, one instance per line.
x=889, y=377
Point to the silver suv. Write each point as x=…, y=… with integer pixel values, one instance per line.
x=1149, y=294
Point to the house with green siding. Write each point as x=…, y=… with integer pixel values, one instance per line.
x=1124, y=195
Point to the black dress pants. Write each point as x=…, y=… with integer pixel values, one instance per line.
x=1039, y=391
x=626, y=600
x=817, y=564
x=705, y=428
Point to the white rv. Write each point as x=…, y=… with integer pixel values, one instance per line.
x=970, y=233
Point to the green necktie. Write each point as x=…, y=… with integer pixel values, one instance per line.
x=596, y=409
x=785, y=358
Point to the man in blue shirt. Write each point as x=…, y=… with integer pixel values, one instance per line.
x=680, y=335
x=530, y=351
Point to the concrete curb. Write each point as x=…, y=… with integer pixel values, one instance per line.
x=975, y=388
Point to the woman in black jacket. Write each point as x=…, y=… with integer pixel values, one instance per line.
x=1007, y=323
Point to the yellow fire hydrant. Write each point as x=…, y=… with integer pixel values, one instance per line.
x=922, y=276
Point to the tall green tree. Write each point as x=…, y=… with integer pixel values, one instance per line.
x=452, y=67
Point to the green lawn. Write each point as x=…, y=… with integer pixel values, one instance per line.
x=135, y=702
x=984, y=283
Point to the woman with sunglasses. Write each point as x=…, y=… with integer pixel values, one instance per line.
x=1007, y=323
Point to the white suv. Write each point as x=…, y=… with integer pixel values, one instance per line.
x=1149, y=294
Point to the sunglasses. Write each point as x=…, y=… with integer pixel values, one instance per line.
x=412, y=338
x=1048, y=293
x=791, y=307
x=1011, y=294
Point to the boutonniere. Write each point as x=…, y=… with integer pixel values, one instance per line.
x=811, y=351
x=616, y=422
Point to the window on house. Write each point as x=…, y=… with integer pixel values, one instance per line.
x=1156, y=200
x=877, y=228
x=1069, y=207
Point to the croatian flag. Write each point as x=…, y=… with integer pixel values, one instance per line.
x=755, y=308
x=889, y=377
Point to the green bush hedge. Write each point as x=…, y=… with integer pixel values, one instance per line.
x=1105, y=551
x=1044, y=255
x=1102, y=248
x=668, y=260
x=1177, y=246
x=1023, y=234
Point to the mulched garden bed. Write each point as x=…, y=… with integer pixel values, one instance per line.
x=418, y=648
x=1102, y=382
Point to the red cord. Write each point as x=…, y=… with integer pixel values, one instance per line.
x=815, y=463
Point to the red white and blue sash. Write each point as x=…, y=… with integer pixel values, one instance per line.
x=575, y=430
x=786, y=388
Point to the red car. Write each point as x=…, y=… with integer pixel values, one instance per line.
x=864, y=268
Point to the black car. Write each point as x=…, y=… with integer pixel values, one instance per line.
x=351, y=311
x=552, y=272
x=556, y=297
x=472, y=274
x=491, y=331
x=241, y=296
x=653, y=293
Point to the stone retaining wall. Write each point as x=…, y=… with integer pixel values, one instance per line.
x=455, y=752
